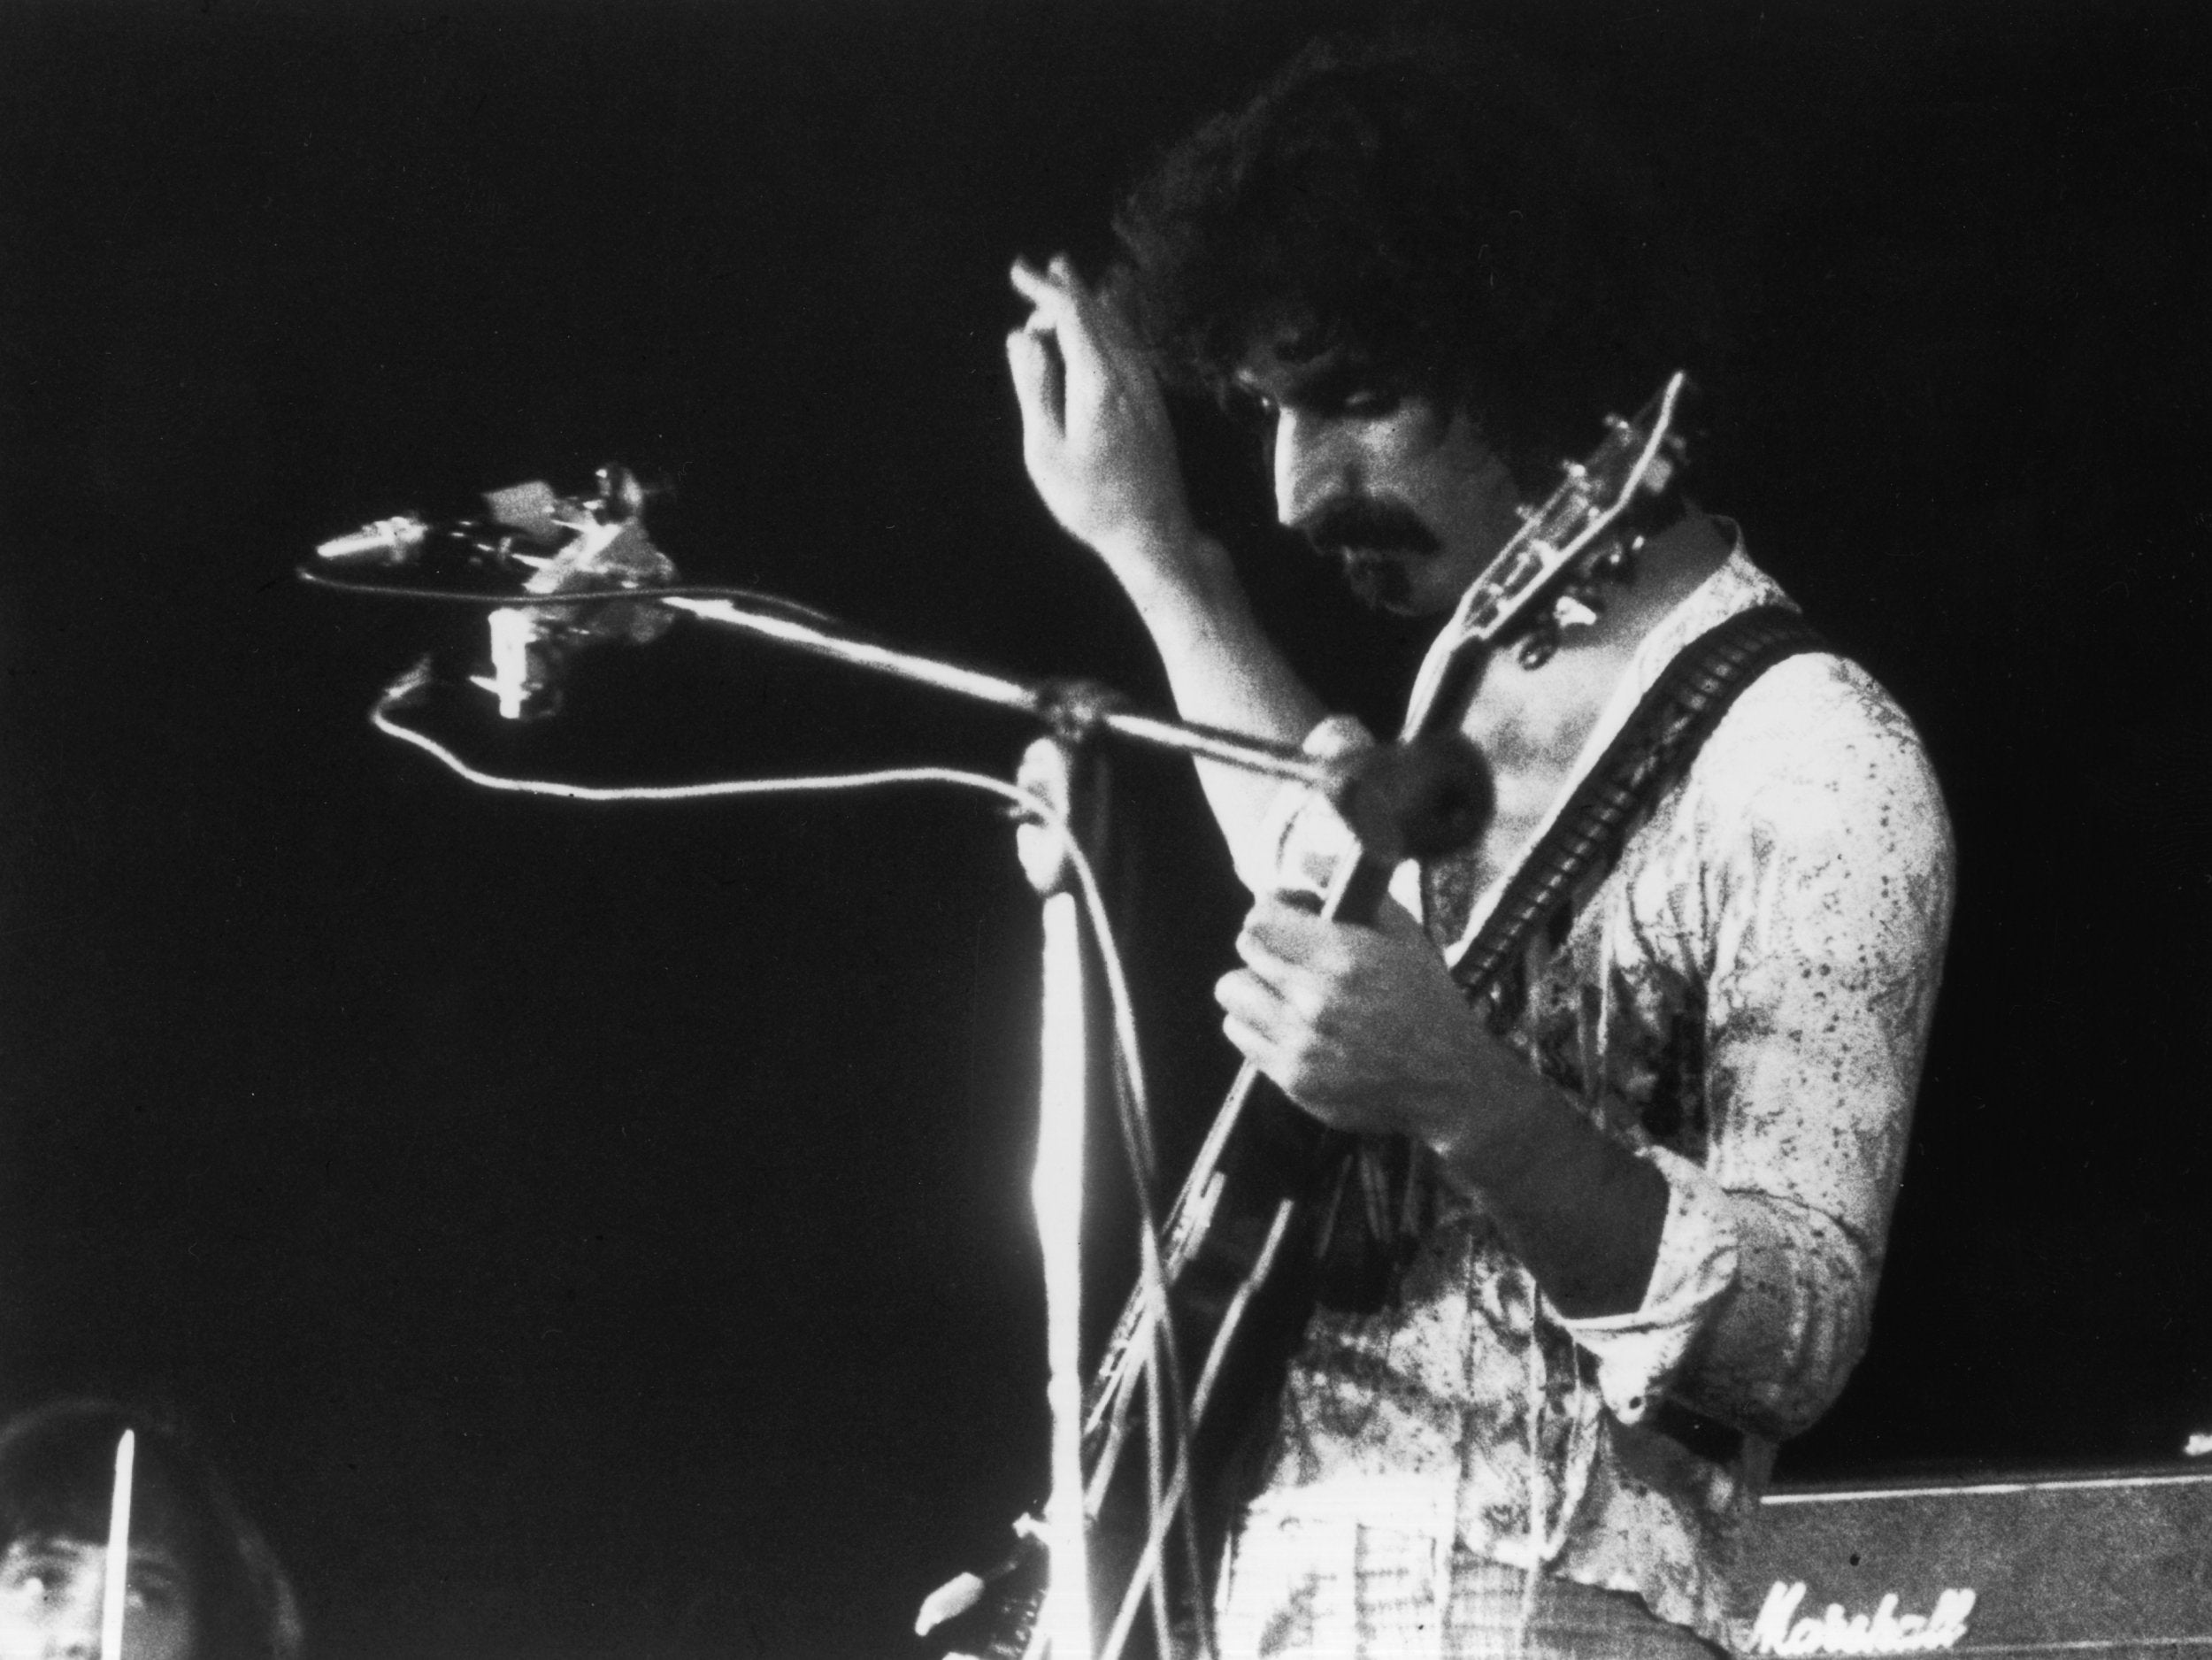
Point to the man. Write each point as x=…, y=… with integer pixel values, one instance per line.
x=1659, y=1180
x=201, y=1584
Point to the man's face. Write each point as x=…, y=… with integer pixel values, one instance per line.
x=51, y=1591
x=1404, y=495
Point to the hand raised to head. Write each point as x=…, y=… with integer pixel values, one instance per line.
x=1095, y=433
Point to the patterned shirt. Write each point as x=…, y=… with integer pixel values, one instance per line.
x=1743, y=998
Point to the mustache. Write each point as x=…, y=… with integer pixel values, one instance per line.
x=1349, y=523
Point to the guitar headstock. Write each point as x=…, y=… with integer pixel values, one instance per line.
x=1583, y=535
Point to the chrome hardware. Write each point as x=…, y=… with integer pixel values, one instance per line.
x=1571, y=610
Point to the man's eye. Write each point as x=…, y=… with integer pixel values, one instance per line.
x=1369, y=402
x=30, y=1580
x=155, y=1592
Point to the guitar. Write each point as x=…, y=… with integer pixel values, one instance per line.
x=1278, y=1214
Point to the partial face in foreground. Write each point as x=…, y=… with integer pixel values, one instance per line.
x=51, y=1601
x=1402, y=492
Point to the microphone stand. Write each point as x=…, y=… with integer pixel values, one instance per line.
x=1413, y=799
x=1072, y=709
x=1049, y=772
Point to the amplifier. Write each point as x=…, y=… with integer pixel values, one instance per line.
x=2108, y=1564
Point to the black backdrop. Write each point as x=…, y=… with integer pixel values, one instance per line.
x=603, y=1230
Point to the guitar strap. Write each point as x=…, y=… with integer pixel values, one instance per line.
x=1652, y=749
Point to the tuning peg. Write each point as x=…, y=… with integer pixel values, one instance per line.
x=1576, y=608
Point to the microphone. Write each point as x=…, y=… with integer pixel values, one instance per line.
x=522, y=512
x=596, y=545
x=389, y=541
x=608, y=551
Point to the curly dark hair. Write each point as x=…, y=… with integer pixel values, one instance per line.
x=56, y=1468
x=1426, y=208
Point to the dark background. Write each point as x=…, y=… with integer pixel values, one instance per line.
x=604, y=1230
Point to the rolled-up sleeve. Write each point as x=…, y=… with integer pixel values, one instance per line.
x=1818, y=912
x=1637, y=1352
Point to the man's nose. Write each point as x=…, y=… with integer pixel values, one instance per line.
x=72, y=1620
x=72, y=1632
x=1314, y=462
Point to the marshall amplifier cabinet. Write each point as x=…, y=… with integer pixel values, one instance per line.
x=2099, y=1566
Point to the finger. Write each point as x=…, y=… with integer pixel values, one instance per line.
x=1286, y=1067
x=1247, y=997
x=1288, y=932
x=1066, y=304
x=1281, y=996
x=1055, y=310
x=1048, y=290
x=1260, y=958
x=1250, y=1043
x=1038, y=384
x=1075, y=327
x=1095, y=359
